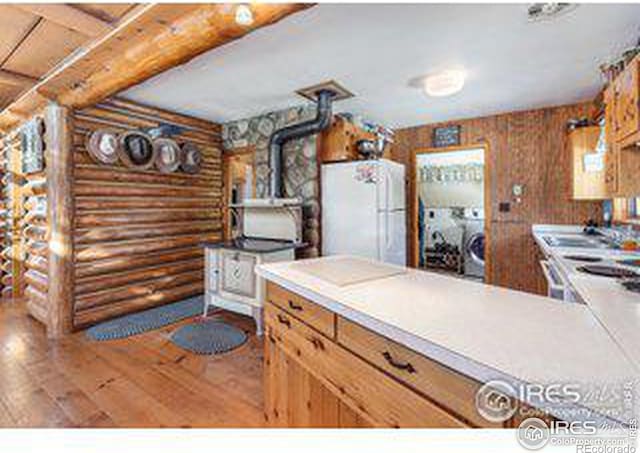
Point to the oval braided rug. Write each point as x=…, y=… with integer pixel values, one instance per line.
x=208, y=337
x=144, y=321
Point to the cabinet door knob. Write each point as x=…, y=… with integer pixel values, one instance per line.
x=401, y=366
x=294, y=306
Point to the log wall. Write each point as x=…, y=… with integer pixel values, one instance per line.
x=137, y=234
x=23, y=260
x=31, y=270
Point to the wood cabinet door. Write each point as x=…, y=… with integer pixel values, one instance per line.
x=626, y=102
x=611, y=156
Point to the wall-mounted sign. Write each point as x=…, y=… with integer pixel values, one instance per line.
x=446, y=136
x=32, y=146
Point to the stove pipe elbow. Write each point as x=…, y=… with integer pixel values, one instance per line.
x=296, y=131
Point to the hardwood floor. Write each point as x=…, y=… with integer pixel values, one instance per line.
x=142, y=381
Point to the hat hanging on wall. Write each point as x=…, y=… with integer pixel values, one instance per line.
x=103, y=145
x=168, y=155
x=136, y=150
x=191, y=158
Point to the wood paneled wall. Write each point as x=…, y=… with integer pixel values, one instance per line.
x=137, y=234
x=528, y=148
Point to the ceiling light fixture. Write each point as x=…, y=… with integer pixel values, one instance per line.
x=444, y=83
x=244, y=15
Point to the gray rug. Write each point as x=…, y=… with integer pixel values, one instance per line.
x=147, y=320
x=208, y=337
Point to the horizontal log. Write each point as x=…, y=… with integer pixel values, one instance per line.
x=36, y=202
x=7, y=280
x=39, y=175
x=147, y=288
x=35, y=187
x=38, y=263
x=83, y=188
x=135, y=275
x=37, y=311
x=36, y=296
x=122, y=175
x=37, y=280
x=115, y=203
x=37, y=248
x=86, y=253
x=102, y=234
x=122, y=263
x=89, y=219
x=84, y=318
x=121, y=119
x=37, y=233
x=161, y=116
x=7, y=292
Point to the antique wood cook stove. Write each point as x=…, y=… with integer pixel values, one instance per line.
x=267, y=230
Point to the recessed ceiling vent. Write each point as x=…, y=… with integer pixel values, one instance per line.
x=547, y=11
x=339, y=92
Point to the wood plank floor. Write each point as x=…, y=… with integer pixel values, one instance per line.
x=142, y=381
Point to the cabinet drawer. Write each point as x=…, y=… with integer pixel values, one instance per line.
x=317, y=317
x=374, y=396
x=443, y=385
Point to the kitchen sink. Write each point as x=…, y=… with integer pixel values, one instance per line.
x=578, y=241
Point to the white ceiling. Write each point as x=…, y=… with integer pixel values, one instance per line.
x=378, y=50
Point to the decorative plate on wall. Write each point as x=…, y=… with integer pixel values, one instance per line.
x=136, y=150
x=168, y=155
x=103, y=145
x=191, y=158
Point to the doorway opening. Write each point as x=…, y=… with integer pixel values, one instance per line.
x=450, y=207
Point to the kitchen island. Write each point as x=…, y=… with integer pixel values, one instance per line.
x=352, y=342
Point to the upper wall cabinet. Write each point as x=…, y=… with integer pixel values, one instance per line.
x=622, y=122
x=588, y=168
x=626, y=106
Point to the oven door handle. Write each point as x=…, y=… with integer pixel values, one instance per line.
x=555, y=283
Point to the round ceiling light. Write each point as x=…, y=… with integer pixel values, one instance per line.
x=444, y=83
x=244, y=15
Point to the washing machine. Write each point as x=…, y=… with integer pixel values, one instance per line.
x=473, y=242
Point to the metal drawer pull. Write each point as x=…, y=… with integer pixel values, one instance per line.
x=401, y=366
x=294, y=306
x=283, y=320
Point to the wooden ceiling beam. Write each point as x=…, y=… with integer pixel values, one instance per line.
x=69, y=17
x=13, y=78
x=147, y=41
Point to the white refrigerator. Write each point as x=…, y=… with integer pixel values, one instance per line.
x=363, y=210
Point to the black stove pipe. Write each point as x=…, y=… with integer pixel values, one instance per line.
x=295, y=131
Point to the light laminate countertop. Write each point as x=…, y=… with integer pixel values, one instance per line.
x=482, y=331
